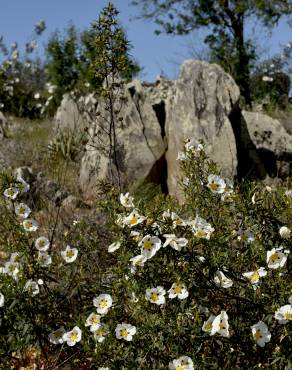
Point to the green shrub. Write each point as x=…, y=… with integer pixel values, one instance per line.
x=217, y=247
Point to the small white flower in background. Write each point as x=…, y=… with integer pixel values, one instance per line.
x=201, y=258
x=228, y=191
x=222, y=281
x=2, y=299
x=134, y=298
x=56, y=337
x=37, y=96
x=22, y=210
x=11, y=193
x=44, y=259
x=254, y=276
x=103, y=368
x=181, y=363
x=100, y=333
x=69, y=254
x=76, y=222
x=12, y=268
x=135, y=235
x=42, y=244
x=285, y=232
x=260, y=333
x=127, y=200
x=176, y=220
x=31, y=287
x=193, y=146
x=40, y=282
x=103, y=303
x=181, y=156
x=15, y=257
x=276, y=258
x=125, y=331
x=30, y=225
x=246, y=236
x=207, y=326
x=134, y=219
x=137, y=261
x=178, y=290
x=284, y=314
x=267, y=79
x=288, y=193
x=149, y=246
x=174, y=242
x=216, y=184
x=113, y=247
x=220, y=325
x=93, y=320
x=166, y=215
x=155, y=295
x=201, y=228
x=73, y=336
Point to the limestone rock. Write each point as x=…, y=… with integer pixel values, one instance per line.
x=203, y=97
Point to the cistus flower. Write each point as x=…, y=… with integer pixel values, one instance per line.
x=12, y=268
x=134, y=219
x=44, y=259
x=72, y=337
x=149, y=246
x=176, y=220
x=69, y=254
x=125, y=331
x=285, y=232
x=181, y=363
x=30, y=225
x=260, y=333
x=155, y=295
x=276, y=258
x=31, y=287
x=178, y=290
x=207, y=326
x=11, y=193
x=113, y=247
x=100, y=333
x=254, y=276
x=22, y=210
x=103, y=303
x=42, y=244
x=126, y=200
x=216, y=184
x=222, y=281
x=56, y=337
x=174, y=242
x=93, y=320
x=201, y=228
x=284, y=314
x=220, y=325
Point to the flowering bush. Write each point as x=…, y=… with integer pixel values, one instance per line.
x=206, y=284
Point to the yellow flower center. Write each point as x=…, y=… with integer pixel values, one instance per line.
x=74, y=336
x=12, y=268
x=179, y=368
x=21, y=210
x=178, y=289
x=147, y=245
x=201, y=233
x=100, y=332
x=41, y=243
x=94, y=319
x=124, y=333
x=70, y=254
x=134, y=220
x=178, y=222
x=287, y=315
x=103, y=303
x=258, y=335
x=154, y=297
x=222, y=325
x=274, y=257
x=214, y=186
x=208, y=326
x=255, y=277
x=29, y=225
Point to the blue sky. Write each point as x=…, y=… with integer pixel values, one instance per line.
x=156, y=54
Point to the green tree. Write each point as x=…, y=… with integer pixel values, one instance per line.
x=226, y=21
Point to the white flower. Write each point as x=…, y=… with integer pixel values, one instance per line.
x=149, y=246
x=126, y=200
x=103, y=368
x=181, y=156
x=288, y=193
x=31, y=287
x=93, y=320
x=174, y=242
x=12, y=268
x=22, y=185
x=176, y=220
x=207, y=326
x=125, y=331
x=155, y=295
x=276, y=258
x=220, y=325
x=193, y=146
x=1, y=300
x=267, y=79
x=56, y=337
x=22, y=210
x=11, y=193
x=201, y=228
x=228, y=191
x=134, y=219
x=221, y=280
x=73, y=336
x=100, y=333
x=216, y=184
x=42, y=244
x=285, y=232
x=260, y=333
x=44, y=259
x=181, y=363
x=113, y=247
x=138, y=260
x=254, y=276
x=103, y=303
x=69, y=254
x=30, y=225
x=178, y=290
x=284, y=314
x=15, y=257
x=37, y=96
